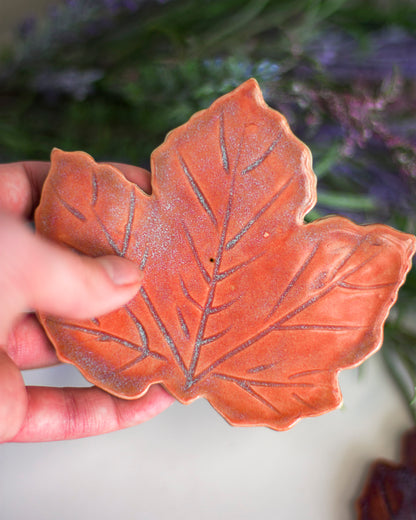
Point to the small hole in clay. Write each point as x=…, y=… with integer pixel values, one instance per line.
x=211, y=260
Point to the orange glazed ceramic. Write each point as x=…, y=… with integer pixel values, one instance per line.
x=242, y=302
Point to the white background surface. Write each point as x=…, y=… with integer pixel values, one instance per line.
x=188, y=463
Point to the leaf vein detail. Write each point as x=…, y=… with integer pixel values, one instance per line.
x=75, y=212
x=233, y=242
x=271, y=328
x=194, y=250
x=263, y=157
x=223, y=147
x=127, y=233
x=197, y=190
x=167, y=337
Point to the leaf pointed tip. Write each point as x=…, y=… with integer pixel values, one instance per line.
x=251, y=84
x=58, y=155
x=251, y=88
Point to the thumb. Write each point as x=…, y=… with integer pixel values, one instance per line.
x=37, y=274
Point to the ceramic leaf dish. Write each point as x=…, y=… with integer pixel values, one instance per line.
x=242, y=302
x=390, y=490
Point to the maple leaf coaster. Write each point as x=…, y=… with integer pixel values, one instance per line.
x=242, y=302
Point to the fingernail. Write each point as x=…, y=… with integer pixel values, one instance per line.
x=121, y=271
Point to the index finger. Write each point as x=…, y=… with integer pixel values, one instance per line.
x=72, y=413
x=135, y=174
x=21, y=185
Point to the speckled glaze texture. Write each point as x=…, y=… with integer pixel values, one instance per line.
x=242, y=302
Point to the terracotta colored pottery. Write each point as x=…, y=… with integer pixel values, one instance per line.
x=242, y=302
x=390, y=490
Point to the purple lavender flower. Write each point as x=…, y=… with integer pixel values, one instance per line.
x=76, y=83
x=27, y=27
x=112, y=5
x=117, y=6
x=386, y=51
x=130, y=5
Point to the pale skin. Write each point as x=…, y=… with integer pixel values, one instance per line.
x=38, y=275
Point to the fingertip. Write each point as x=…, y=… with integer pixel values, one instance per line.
x=96, y=287
x=14, y=400
x=72, y=413
x=121, y=271
x=21, y=186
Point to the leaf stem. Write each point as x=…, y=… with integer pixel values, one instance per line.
x=215, y=275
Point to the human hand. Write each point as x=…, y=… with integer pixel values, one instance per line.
x=37, y=274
